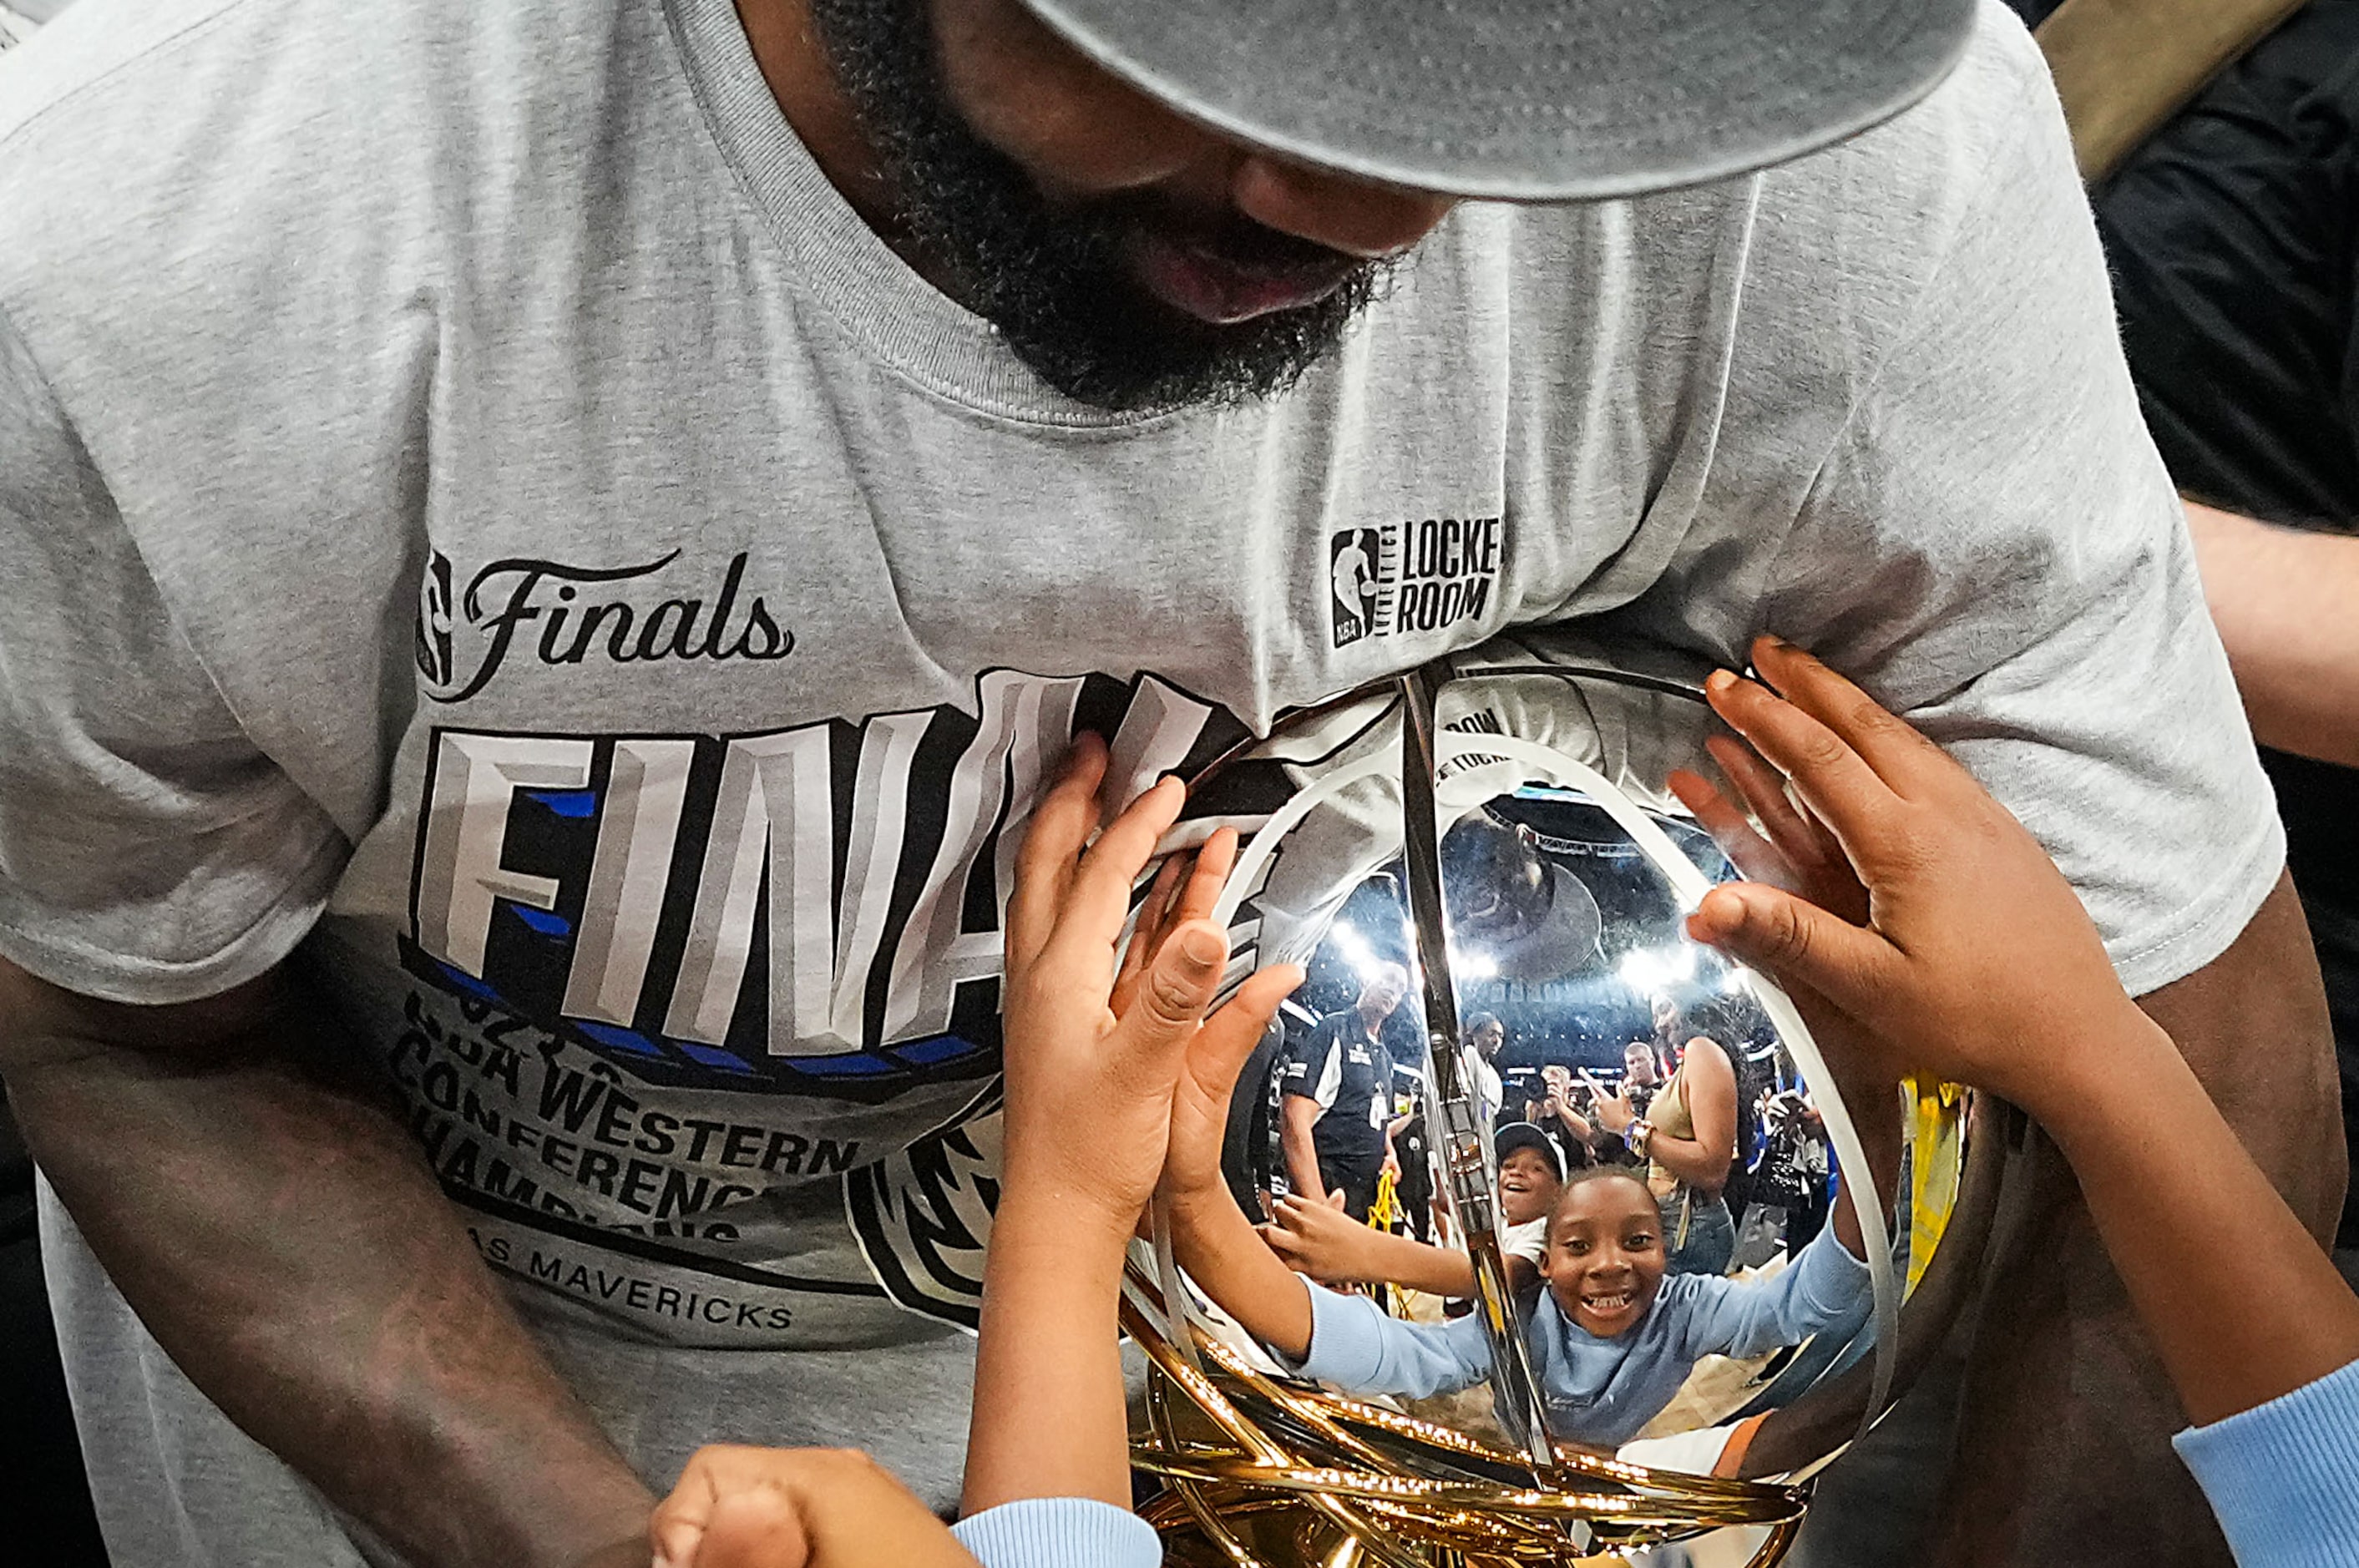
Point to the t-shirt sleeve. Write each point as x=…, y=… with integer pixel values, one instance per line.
x=1992, y=547
x=1528, y=1241
x=1302, y=1066
x=148, y=852
x=1354, y=1346
x=1823, y=1286
x=2283, y=1477
x=1059, y=1532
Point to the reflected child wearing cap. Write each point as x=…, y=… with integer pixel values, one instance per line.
x=1531, y=1176
x=1321, y=1241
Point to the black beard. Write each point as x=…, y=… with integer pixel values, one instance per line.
x=1054, y=281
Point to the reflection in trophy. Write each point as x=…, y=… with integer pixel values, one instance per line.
x=1621, y=1325
x=1634, y=1375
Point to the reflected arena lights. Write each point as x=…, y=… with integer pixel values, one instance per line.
x=1650, y=970
x=1352, y=946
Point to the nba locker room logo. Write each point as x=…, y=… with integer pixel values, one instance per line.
x=1410, y=577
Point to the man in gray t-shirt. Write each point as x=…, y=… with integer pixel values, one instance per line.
x=550, y=548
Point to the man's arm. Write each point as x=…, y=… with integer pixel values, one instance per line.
x=1393, y=1149
x=1571, y=1121
x=1391, y=1164
x=2282, y=600
x=279, y=1234
x=2031, y=1466
x=1298, y=1114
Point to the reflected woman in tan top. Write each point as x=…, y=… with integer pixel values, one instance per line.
x=1688, y=1138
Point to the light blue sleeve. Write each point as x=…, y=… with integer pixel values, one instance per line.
x=1733, y=1317
x=1354, y=1346
x=1059, y=1532
x=2284, y=1477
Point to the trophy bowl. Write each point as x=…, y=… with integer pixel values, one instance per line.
x=1597, y=1173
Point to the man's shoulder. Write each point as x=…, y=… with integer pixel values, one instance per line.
x=134, y=61
x=135, y=133
x=76, y=55
x=1302, y=1045
x=1996, y=97
x=1818, y=265
x=1892, y=202
x=1842, y=243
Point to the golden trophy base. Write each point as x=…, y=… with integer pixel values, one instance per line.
x=1261, y=1472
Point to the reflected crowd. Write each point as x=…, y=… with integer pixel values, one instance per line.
x=1662, y=1172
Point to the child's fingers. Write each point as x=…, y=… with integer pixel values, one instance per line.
x=1187, y=887
x=1797, y=943
x=1207, y=876
x=1280, y=1240
x=726, y=1491
x=1315, y=1223
x=1903, y=758
x=1147, y=933
x=677, y=1523
x=810, y=1507
x=1230, y=1035
x=1217, y=1053
x=1179, y=984
x=1098, y=898
x=1833, y=780
x=1752, y=856
x=1060, y=826
x=1764, y=790
x=759, y=1529
x=1803, y=857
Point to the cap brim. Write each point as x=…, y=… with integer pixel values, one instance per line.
x=1522, y=101
x=1527, y=1135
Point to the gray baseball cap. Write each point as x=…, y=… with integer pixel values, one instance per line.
x=1527, y=100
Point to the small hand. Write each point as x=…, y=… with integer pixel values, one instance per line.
x=1089, y=1084
x=1973, y=956
x=795, y=1508
x=1614, y=1112
x=1319, y=1241
x=1793, y=850
x=1392, y=1165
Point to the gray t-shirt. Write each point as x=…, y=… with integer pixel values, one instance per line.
x=475, y=500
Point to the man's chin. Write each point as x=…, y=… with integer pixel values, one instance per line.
x=1116, y=342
